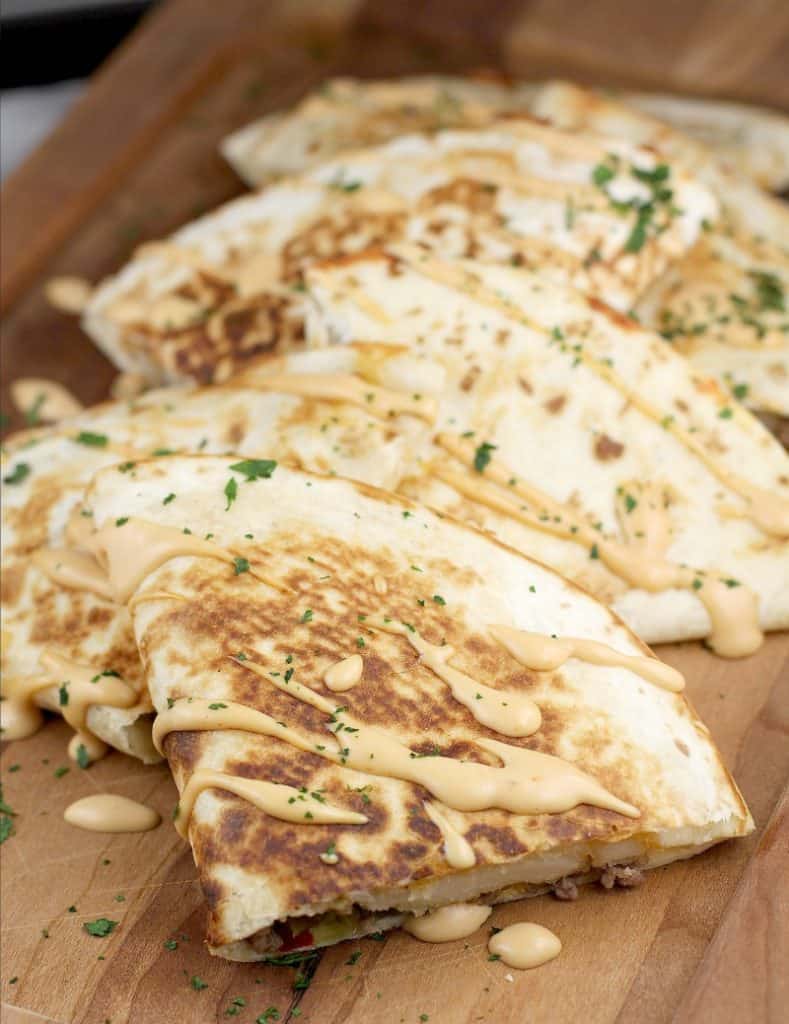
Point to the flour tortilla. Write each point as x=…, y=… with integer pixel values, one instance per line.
x=347, y=114
x=268, y=890
x=331, y=436
x=516, y=379
x=225, y=289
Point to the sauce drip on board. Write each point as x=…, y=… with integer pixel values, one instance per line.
x=105, y=812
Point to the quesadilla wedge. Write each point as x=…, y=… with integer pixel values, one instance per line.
x=723, y=304
x=753, y=141
x=346, y=114
x=389, y=712
x=67, y=646
x=583, y=440
x=601, y=214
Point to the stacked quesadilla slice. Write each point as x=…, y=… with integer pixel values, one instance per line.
x=386, y=711
x=600, y=214
x=584, y=441
x=59, y=618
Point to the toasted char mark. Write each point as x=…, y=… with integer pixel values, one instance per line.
x=606, y=448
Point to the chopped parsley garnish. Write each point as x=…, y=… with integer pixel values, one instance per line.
x=83, y=759
x=19, y=473
x=307, y=616
x=255, y=469
x=217, y=706
x=33, y=414
x=594, y=551
x=63, y=695
x=6, y=824
x=726, y=413
x=354, y=958
x=638, y=235
x=602, y=174
x=122, y=521
x=269, y=1014
x=101, y=927
x=60, y=772
x=170, y=497
x=439, y=599
x=769, y=291
x=482, y=456
x=170, y=944
x=240, y=565
x=231, y=490
x=346, y=186
x=630, y=503
x=740, y=392
x=92, y=440
x=197, y=983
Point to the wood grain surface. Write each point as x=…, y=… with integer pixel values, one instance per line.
x=705, y=940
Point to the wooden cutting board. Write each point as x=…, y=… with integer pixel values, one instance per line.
x=702, y=940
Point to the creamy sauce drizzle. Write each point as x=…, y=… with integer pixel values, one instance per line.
x=345, y=674
x=545, y=654
x=83, y=687
x=51, y=400
x=105, y=812
x=639, y=560
x=279, y=801
x=345, y=387
x=458, y=851
x=456, y=921
x=527, y=783
x=74, y=570
x=525, y=945
x=767, y=510
x=508, y=713
x=133, y=551
x=68, y=294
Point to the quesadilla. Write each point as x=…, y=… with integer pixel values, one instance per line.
x=753, y=141
x=599, y=213
x=724, y=303
x=60, y=624
x=346, y=114
x=583, y=440
x=385, y=711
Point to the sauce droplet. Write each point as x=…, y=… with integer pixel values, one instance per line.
x=525, y=945
x=344, y=674
x=105, y=812
x=456, y=921
x=68, y=294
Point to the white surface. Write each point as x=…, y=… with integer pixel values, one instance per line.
x=27, y=116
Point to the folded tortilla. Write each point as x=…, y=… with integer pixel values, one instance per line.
x=583, y=440
x=607, y=217
x=386, y=711
x=57, y=616
x=346, y=114
x=725, y=304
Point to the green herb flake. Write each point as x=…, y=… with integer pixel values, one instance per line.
x=439, y=599
x=122, y=521
x=19, y=473
x=255, y=469
x=482, y=456
x=602, y=174
x=100, y=928
x=240, y=565
x=630, y=503
x=354, y=958
x=726, y=413
x=216, y=707
x=197, y=983
x=170, y=497
x=60, y=772
x=594, y=551
x=92, y=440
x=269, y=1014
x=307, y=616
x=170, y=944
x=231, y=491
x=63, y=695
x=83, y=759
